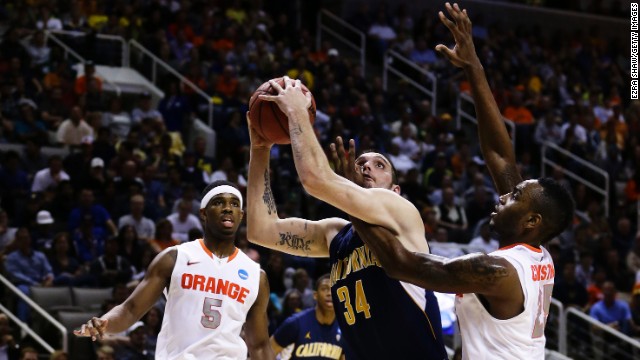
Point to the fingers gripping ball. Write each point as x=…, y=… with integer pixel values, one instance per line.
x=267, y=119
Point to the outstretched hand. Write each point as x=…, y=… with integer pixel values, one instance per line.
x=290, y=97
x=463, y=53
x=95, y=328
x=344, y=162
x=257, y=141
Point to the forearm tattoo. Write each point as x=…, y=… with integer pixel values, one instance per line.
x=294, y=242
x=267, y=197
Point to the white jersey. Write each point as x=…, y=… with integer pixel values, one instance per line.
x=207, y=304
x=521, y=337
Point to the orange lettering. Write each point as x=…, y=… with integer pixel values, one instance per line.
x=198, y=281
x=187, y=281
x=543, y=272
x=552, y=271
x=243, y=294
x=223, y=285
x=534, y=273
x=233, y=290
x=211, y=285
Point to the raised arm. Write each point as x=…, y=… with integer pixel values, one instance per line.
x=375, y=205
x=138, y=303
x=256, y=328
x=292, y=235
x=494, y=139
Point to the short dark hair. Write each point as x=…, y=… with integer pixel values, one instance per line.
x=394, y=172
x=556, y=204
x=320, y=279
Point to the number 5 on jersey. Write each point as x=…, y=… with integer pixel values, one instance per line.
x=211, y=317
x=362, y=306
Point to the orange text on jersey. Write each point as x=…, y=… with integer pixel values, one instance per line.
x=214, y=286
x=542, y=272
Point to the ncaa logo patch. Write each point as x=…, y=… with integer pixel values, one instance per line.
x=244, y=275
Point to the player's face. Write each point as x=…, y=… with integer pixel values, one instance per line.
x=513, y=209
x=323, y=295
x=222, y=214
x=376, y=171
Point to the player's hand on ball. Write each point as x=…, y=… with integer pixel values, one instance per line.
x=94, y=328
x=257, y=141
x=290, y=97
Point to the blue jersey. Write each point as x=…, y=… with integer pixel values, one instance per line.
x=380, y=318
x=311, y=339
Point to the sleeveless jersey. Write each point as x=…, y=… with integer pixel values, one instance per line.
x=207, y=303
x=309, y=339
x=521, y=337
x=380, y=318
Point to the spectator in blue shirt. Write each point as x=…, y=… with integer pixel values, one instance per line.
x=27, y=267
x=99, y=215
x=611, y=311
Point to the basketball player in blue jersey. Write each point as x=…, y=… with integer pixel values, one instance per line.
x=380, y=318
x=503, y=297
x=313, y=333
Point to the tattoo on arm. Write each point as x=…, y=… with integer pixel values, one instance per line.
x=474, y=270
x=294, y=242
x=267, y=197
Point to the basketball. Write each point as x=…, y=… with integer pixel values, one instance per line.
x=266, y=117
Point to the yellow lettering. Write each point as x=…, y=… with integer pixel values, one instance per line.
x=362, y=254
x=354, y=261
x=300, y=350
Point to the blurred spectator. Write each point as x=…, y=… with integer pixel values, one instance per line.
x=105, y=352
x=27, y=267
x=28, y=123
x=174, y=108
x=136, y=347
x=29, y=353
x=49, y=177
x=88, y=239
x=634, y=305
x=47, y=21
x=7, y=233
x=14, y=182
x=67, y=270
x=633, y=257
x=44, y=232
x=39, y=52
x=32, y=158
x=154, y=192
x=145, y=228
x=441, y=244
x=129, y=245
x=301, y=282
x=568, y=290
x=9, y=349
x=144, y=110
x=484, y=240
x=183, y=221
x=83, y=81
x=75, y=130
x=59, y=355
x=153, y=322
x=100, y=217
x=452, y=216
x=549, y=130
x=116, y=118
x=164, y=236
x=111, y=268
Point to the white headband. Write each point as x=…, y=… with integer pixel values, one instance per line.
x=221, y=189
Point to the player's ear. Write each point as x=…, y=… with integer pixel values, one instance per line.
x=533, y=220
x=395, y=188
x=203, y=217
x=315, y=296
x=241, y=215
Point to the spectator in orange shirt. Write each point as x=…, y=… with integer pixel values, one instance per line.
x=81, y=85
x=163, y=238
x=516, y=112
x=227, y=83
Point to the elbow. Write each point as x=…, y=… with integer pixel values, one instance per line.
x=313, y=183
